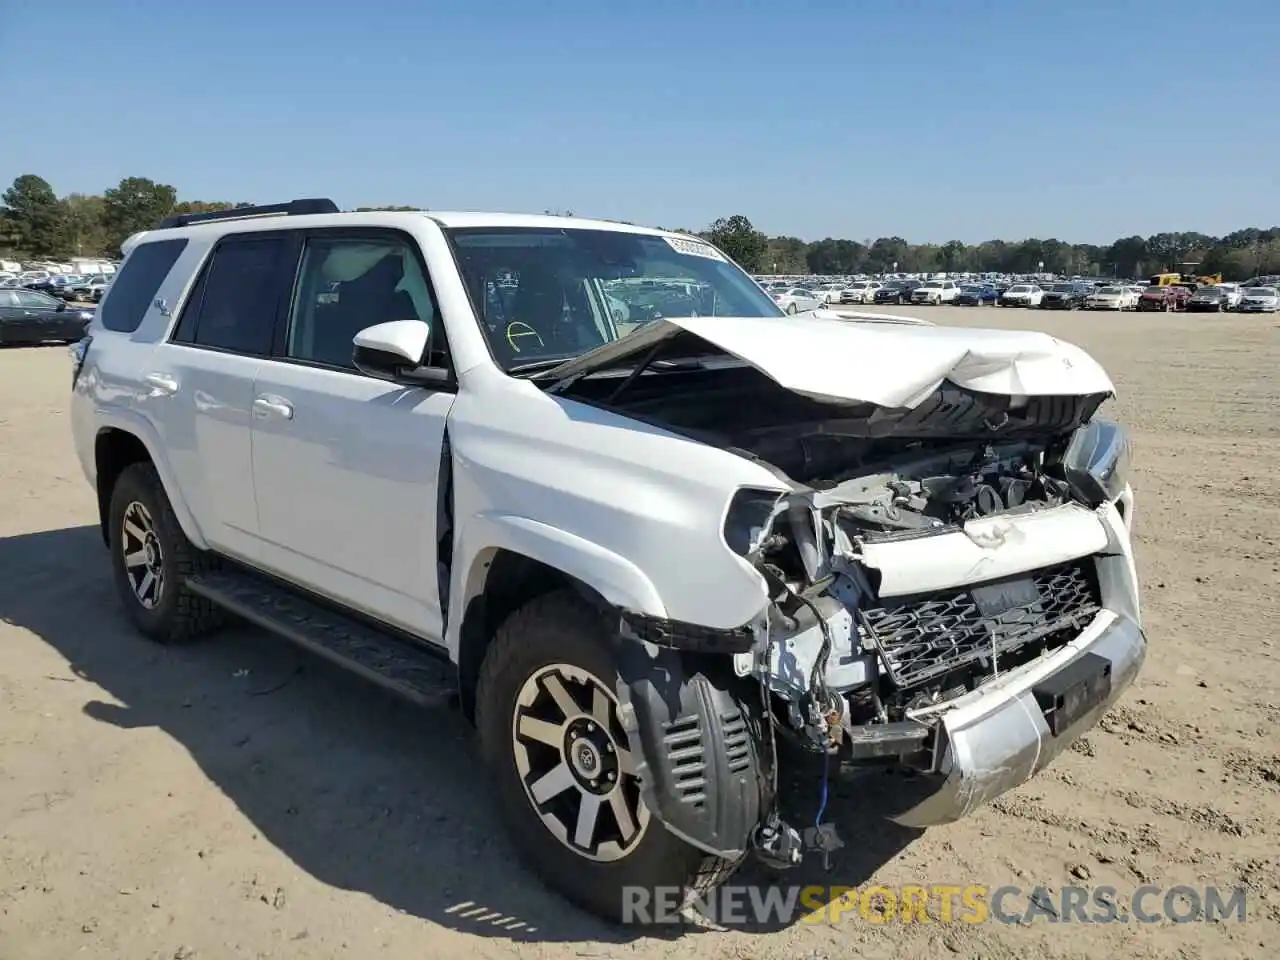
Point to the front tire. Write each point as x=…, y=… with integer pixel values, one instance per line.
x=151, y=560
x=549, y=731
x=791, y=309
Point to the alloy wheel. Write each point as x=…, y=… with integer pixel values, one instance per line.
x=143, y=557
x=576, y=764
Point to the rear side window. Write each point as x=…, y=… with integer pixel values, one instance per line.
x=233, y=305
x=137, y=283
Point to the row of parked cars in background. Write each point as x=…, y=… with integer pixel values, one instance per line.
x=70, y=288
x=1120, y=295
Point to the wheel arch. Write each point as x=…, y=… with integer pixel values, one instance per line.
x=519, y=559
x=116, y=448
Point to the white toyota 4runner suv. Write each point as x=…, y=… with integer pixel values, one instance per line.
x=588, y=481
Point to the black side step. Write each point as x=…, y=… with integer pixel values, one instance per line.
x=404, y=668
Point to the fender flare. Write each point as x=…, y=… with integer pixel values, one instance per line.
x=141, y=428
x=616, y=579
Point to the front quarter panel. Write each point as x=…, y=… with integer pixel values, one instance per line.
x=633, y=511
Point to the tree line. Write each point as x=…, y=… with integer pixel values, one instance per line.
x=1237, y=256
x=35, y=223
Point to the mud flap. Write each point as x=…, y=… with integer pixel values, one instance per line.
x=696, y=746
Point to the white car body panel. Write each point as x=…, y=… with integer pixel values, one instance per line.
x=205, y=426
x=1232, y=291
x=1126, y=299
x=1253, y=302
x=346, y=489
x=627, y=489
x=1025, y=298
x=864, y=291
x=887, y=364
x=800, y=302
x=840, y=313
x=986, y=549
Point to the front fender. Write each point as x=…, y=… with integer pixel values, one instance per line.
x=616, y=579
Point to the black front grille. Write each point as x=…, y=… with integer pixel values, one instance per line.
x=929, y=635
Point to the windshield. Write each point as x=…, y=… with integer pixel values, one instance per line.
x=552, y=293
x=1263, y=292
x=1111, y=291
x=1061, y=288
x=931, y=285
x=1020, y=288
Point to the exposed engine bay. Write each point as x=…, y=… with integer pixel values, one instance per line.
x=862, y=475
x=918, y=651
x=880, y=548
x=921, y=495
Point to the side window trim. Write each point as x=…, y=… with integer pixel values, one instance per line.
x=181, y=332
x=193, y=304
x=439, y=344
x=120, y=316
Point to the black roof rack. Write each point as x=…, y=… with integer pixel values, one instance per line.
x=294, y=208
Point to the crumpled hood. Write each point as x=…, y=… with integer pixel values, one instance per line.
x=887, y=364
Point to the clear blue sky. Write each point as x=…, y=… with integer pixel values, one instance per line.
x=927, y=119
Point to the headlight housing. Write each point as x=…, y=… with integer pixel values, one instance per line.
x=1096, y=461
x=748, y=520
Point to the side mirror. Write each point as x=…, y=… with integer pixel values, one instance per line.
x=394, y=351
x=62, y=305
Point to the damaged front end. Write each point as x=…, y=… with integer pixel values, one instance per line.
x=963, y=608
x=949, y=587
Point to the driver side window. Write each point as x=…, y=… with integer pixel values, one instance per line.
x=348, y=283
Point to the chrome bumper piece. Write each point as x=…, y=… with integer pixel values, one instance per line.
x=996, y=738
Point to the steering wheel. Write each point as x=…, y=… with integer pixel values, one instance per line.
x=518, y=329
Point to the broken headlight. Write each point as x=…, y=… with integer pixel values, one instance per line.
x=749, y=519
x=1096, y=462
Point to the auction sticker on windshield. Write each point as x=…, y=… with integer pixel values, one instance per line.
x=694, y=248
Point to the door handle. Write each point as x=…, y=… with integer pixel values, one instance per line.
x=161, y=384
x=269, y=404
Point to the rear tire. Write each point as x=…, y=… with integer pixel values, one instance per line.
x=557, y=646
x=151, y=559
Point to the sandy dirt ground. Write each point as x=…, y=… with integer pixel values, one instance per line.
x=236, y=798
